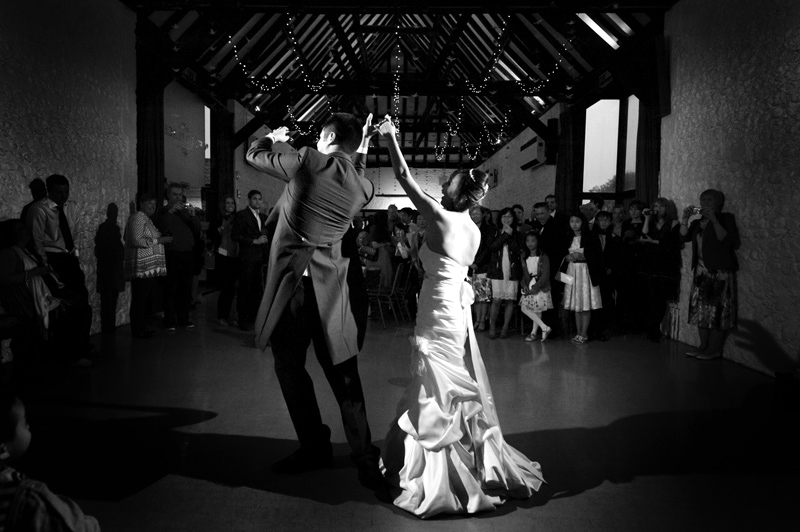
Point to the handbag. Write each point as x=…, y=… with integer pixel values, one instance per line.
x=563, y=277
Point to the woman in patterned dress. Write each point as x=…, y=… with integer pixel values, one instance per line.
x=713, y=300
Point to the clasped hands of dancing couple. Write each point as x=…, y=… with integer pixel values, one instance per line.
x=445, y=452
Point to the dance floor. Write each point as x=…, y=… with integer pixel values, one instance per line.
x=178, y=432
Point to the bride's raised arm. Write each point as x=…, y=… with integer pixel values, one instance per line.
x=426, y=205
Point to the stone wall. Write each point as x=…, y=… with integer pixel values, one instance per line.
x=515, y=185
x=68, y=106
x=735, y=126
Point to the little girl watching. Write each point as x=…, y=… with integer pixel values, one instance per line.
x=535, y=286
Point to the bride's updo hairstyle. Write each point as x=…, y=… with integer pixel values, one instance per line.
x=474, y=185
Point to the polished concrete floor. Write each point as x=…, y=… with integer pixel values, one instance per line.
x=177, y=433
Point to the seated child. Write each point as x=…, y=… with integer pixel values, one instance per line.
x=27, y=504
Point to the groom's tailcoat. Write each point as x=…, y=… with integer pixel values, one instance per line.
x=322, y=194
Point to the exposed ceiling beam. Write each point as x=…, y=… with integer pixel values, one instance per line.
x=255, y=123
x=523, y=113
x=351, y=6
x=394, y=29
x=347, y=47
x=437, y=70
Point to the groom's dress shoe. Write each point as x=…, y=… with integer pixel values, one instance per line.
x=303, y=460
x=369, y=473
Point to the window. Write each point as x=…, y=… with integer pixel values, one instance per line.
x=609, y=168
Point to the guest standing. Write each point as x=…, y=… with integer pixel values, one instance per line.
x=713, y=301
x=535, y=285
x=249, y=232
x=552, y=241
x=661, y=263
x=505, y=271
x=144, y=262
x=630, y=295
x=481, y=284
x=38, y=192
x=610, y=245
x=109, y=251
x=174, y=220
x=53, y=223
x=582, y=295
x=226, y=263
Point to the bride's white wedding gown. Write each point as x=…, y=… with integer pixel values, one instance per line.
x=445, y=450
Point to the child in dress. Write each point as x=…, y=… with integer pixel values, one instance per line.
x=27, y=504
x=585, y=266
x=535, y=286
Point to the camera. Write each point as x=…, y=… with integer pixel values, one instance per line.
x=696, y=210
x=646, y=212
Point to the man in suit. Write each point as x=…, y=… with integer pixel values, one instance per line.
x=561, y=219
x=553, y=242
x=249, y=231
x=307, y=297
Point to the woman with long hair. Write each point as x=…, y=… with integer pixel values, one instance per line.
x=584, y=260
x=505, y=271
x=660, y=271
x=226, y=263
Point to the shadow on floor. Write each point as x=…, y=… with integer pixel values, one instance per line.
x=109, y=452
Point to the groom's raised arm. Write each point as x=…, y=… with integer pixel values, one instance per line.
x=284, y=166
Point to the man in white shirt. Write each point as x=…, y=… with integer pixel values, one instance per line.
x=53, y=221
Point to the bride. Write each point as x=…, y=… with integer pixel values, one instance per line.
x=445, y=451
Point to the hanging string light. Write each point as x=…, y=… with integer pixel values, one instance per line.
x=503, y=128
x=261, y=83
x=265, y=85
x=453, y=129
x=397, y=53
x=539, y=85
x=438, y=151
x=472, y=155
x=313, y=86
x=296, y=125
x=498, y=48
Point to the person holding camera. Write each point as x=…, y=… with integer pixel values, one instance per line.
x=174, y=219
x=713, y=298
x=660, y=262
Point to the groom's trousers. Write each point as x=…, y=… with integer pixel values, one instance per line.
x=298, y=326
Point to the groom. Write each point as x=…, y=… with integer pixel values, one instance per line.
x=306, y=296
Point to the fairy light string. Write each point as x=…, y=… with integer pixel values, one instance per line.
x=498, y=48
